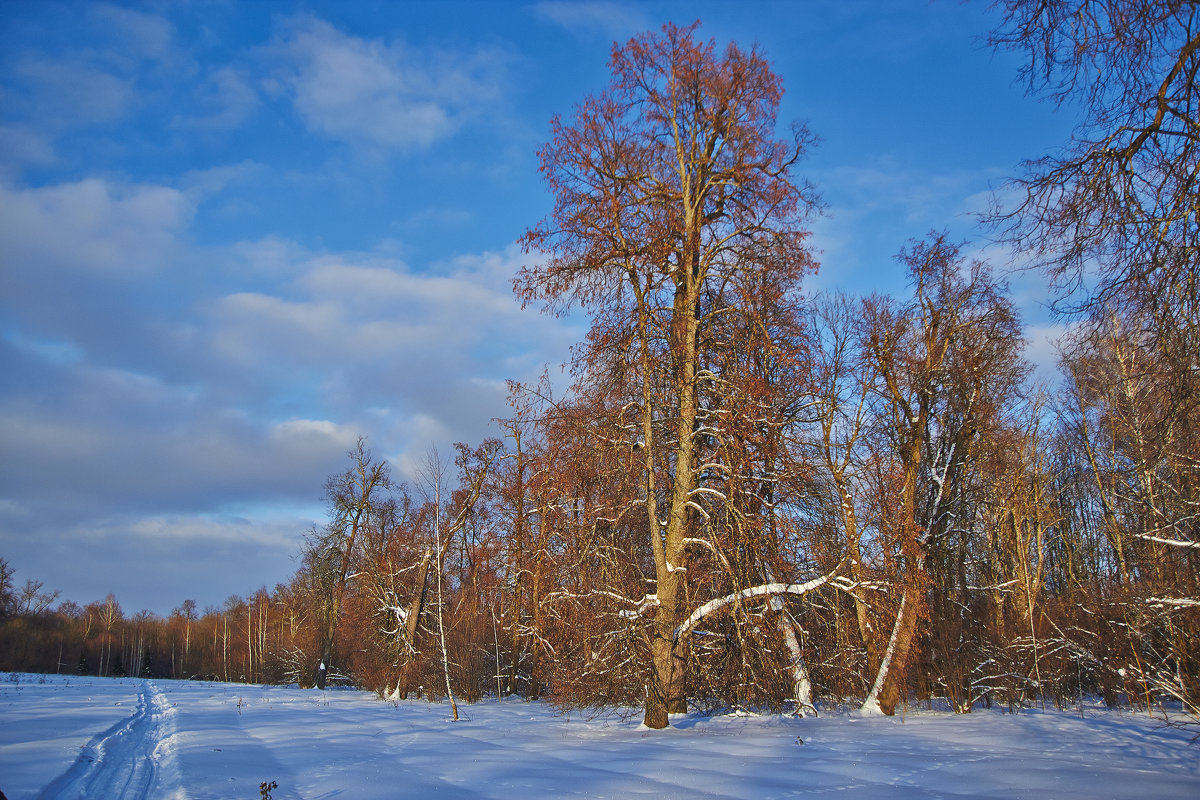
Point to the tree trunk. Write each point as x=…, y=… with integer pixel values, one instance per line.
x=411, y=624
x=323, y=667
x=668, y=689
x=666, y=693
x=886, y=692
x=801, y=681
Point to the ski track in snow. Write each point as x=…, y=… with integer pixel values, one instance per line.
x=132, y=760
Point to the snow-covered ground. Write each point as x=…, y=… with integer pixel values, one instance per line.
x=109, y=738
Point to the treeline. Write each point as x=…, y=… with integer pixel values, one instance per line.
x=891, y=473
x=749, y=497
x=247, y=639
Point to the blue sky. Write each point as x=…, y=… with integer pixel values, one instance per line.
x=234, y=236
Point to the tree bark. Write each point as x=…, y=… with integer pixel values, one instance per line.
x=412, y=623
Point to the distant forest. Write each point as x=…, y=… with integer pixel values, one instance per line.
x=753, y=497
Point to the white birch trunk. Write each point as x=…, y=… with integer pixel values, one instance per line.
x=871, y=704
x=801, y=681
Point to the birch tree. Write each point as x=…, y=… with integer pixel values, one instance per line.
x=842, y=383
x=452, y=510
x=1137, y=447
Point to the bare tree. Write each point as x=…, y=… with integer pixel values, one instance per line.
x=843, y=381
x=432, y=478
x=1119, y=200
x=7, y=597
x=667, y=185
x=451, y=513
x=354, y=497
x=1142, y=491
x=32, y=600
x=1113, y=217
x=945, y=360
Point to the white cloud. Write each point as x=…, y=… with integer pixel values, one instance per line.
x=875, y=208
x=251, y=390
x=91, y=226
x=424, y=433
x=132, y=444
x=111, y=65
x=205, y=530
x=199, y=183
x=306, y=439
x=437, y=218
x=272, y=255
x=333, y=277
x=251, y=327
x=55, y=352
x=1042, y=349
x=380, y=94
x=146, y=35
x=158, y=560
x=587, y=19
x=406, y=357
x=22, y=145
x=341, y=310
x=71, y=93
x=222, y=100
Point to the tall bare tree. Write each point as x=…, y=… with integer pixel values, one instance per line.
x=946, y=360
x=666, y=185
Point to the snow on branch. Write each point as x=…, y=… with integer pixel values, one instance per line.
x=706, y=490
x=763, y=590
x=994, y=586
x=1172, y=542
x=648, y=602
x=705, y=542
x=640, y=606
x=1176, y=602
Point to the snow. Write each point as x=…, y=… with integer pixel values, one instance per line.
x=99, y=737
x=718, y=603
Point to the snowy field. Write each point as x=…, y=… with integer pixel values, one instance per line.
x=109, y=738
